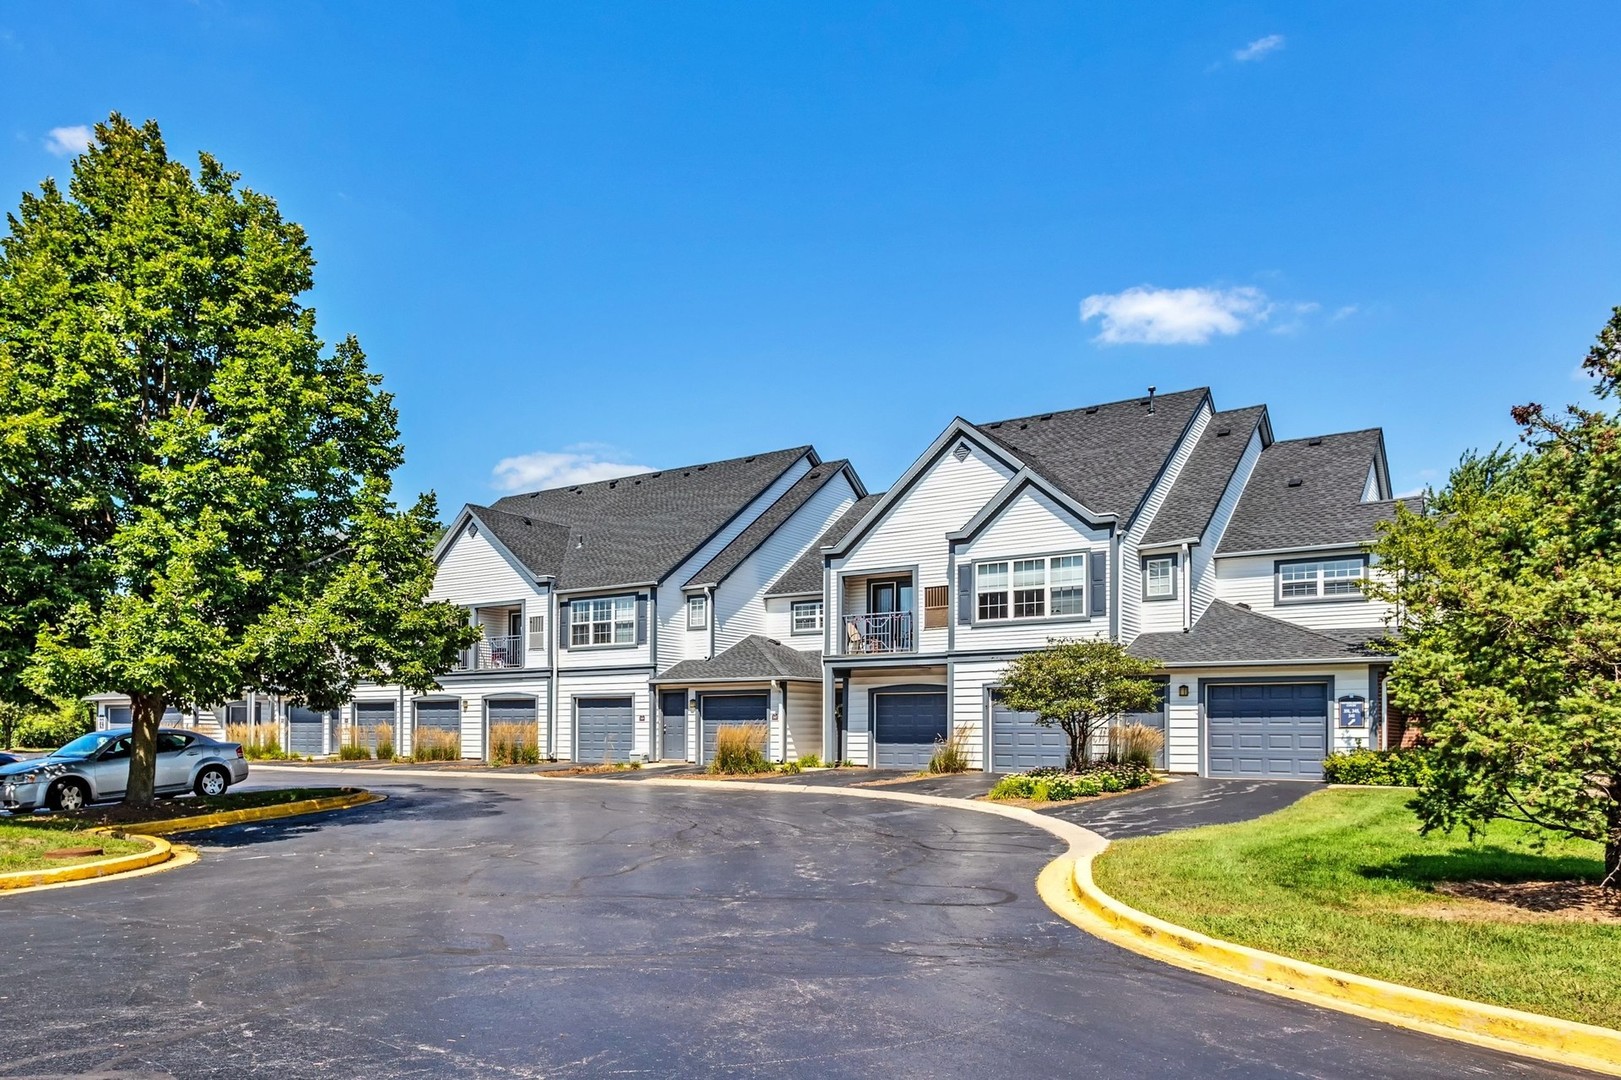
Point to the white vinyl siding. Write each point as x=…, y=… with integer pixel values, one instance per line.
x=1203, y=573
x=1253, y=580
x=471, y=571
x=804, y=721
x=582, y=684
x=1132, y=609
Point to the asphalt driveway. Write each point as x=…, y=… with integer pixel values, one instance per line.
x=527, y=928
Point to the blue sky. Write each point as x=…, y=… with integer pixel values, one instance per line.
x=574, y=236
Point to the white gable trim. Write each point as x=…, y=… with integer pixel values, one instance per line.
x=459, y=526
x=957, y=429
x=1021, y=480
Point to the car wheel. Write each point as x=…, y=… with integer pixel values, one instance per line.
x=67, y=795
x=212, y=781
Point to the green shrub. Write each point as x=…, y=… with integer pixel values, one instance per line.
x=353, y=752
x=1056, y=785
x=436, y=744
x=1377, y=768
x=740, y=750
x=791, y=768
x=810, y=761
x=42, y=729
x=951, y=755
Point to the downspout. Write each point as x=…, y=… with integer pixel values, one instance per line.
x=655, y=725
x=551, y=660
x=782, y=687
x=1187, y=588
x=714, y=618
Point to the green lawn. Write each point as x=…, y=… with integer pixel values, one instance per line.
x=1343, y=878
x=23, y=846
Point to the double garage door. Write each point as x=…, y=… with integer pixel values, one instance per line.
x=906, y=726
x=1275, y=731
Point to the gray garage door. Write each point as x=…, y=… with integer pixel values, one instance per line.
x=1270, y=730
x=437, y=716
x=1019, y=743
x=370, y=716
x=118, y=716
x=520, y=711
x=605, y=730
x=306, y=731
x=729, y=710
x=673, y=721
x=905, y=727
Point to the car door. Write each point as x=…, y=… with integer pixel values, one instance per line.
x=177, y=753
x=109, y=774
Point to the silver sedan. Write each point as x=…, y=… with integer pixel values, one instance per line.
x=95, y=768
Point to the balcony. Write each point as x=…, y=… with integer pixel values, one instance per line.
x=882, y=632
x=493, y=653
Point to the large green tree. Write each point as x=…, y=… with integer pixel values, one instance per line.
x=1080, y=686
x=197, y=491
x=1509, y=594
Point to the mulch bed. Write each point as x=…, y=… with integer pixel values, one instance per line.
x=1528, y=901
x=191, y=806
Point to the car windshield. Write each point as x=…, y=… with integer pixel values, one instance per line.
x=84, y=745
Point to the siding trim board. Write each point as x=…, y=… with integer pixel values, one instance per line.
x=1023, y=479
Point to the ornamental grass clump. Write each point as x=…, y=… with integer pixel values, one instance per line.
x=1135, y=744
x=436, y=744
x=514, y=744
x=260, y=742
x=951, y=755
x=382, y=737
x=740, y=750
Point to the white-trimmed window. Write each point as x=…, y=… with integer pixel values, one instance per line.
x=1038, y=588
x=697, y=613
x=807, y=616
x=1159, y=577
x=1321, y=579
x=607, y=620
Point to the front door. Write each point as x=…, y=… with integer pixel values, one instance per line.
x=673, y=725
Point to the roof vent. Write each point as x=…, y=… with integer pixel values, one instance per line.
x=687, y=473
x=1246, y=607
x=1023, y=426
x=701, y=468
x=1296, y=482
x=961, y=452
x=1314, y=442
x=579, y=541
x=1151, y=390
x=472, y=530
x=1223, y=431
x=612, y=484
x=1046, y=416
x=1092, y=410
x=526, y=521
x=994, y=426
x=747, y=459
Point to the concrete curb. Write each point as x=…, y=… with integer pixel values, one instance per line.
x=1066, y=886
x=160, y=852
x=257, y=813
x=1072, y=892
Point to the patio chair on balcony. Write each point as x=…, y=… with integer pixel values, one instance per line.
x=853, y=641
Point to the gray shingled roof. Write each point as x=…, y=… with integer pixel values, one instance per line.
x=1325, y=507
x=1104, y=456
x=1192, y=500
x=754, y=659
x=805, y=573
x=730, y=557
x=634, y=529
x=1228, y=634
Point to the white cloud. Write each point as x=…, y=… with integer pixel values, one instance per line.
x=1145, y=315
x=582, y=464
x=1294, y=316
x=1343, y=313
x=65, y=141
x=1259, y=48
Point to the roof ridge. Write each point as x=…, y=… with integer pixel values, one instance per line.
x=593, y=484
x=815, y=479
x=1084, y=408
x=1327, y=435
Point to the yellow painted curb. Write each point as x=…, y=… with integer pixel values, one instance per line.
x=258, y=813
x=160, y=851
x=1067, y=886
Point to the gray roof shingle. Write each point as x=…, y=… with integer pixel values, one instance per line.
x=1228, y=634
x=804, y=575
x=730, y=557
x=1104, y=456
x=1192, y=500
x=633, y=529
x=754, y=659
x=1308, y=493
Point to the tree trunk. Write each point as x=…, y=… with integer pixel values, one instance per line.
x=1612, y=848
x=1080, y=750
x=146, y=712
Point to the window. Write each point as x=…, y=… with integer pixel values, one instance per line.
x=697, y=612
x=807, y=616
x=1321, y=579
x=1042, y=588
x=1159, y=577
x=608, y=620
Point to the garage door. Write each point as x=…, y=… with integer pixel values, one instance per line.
x=605, y=730
x=374, y=722
x=729, y=710
x=673, y=718
x=905, y=727
x=306, y=732
x=438, y=724
x=1019, y=743
x=1267, y=730
x=516, y=711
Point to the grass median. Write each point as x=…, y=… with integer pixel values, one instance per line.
x=1344, y=879
x=24, y=844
